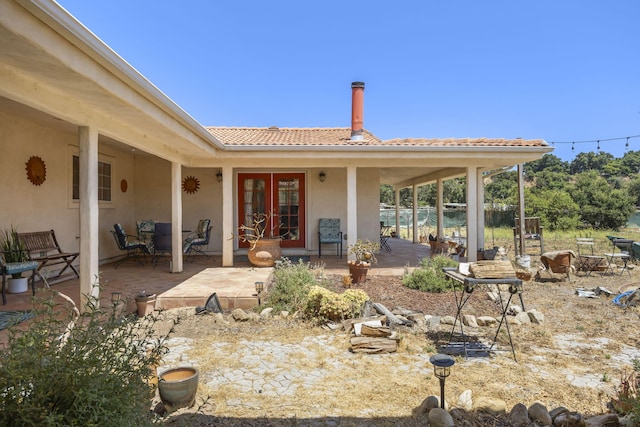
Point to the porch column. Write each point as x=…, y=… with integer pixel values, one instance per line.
x=472, y=214
x=415, y=214
x=440, y=207
x=227, y=216
x=89, y=214
x=397, y=194
x=480, y=209
x=176, y=217
x=352, y=207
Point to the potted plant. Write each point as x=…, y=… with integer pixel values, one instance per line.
x=145, y=303
x=14, y=251
x=264, y=245
x=364, y=251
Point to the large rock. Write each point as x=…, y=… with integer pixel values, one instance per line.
x=523, y=318
x=465, y=401
x=539, y=414
x=239, y=315
x=568, y=419
x=535, y=316
x=438, y=417
x=427, y=405
x=490, y=405
x=447, y=320
x=469, y=320
x=487, y=321
x=606, y=420
x=519, y=415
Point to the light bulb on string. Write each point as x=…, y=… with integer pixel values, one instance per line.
x=573, y=146
x=626, y=146
x=598, y=145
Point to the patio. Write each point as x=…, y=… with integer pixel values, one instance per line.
x=235, y=286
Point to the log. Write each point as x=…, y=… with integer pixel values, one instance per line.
x=375, y=331
x=372, y=345
x=348, y=324
x=390, y=316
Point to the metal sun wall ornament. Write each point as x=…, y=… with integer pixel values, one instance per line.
x=36, y=170
x=190, y=184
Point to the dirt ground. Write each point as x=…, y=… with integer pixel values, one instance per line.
x=575, y=358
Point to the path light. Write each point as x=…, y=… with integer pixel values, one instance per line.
x=442, y=364
x=115, y=298
x=259, y=289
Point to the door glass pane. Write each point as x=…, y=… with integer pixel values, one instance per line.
x=254, y=199
x=288, y=208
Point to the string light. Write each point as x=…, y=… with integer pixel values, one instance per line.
x=596, y=140
x=626, y=146
x=598, y=145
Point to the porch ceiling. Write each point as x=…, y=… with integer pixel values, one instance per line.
x=69, y=78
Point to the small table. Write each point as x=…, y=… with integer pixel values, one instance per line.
x=611, y=257
x=470, y=283
x=590, y=263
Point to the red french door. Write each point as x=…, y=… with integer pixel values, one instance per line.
x=279, y=193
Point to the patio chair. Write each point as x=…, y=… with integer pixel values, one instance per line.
x=329, y=232
x=586, y=259
x=136, y=250
x=198, y=241
x=532, y=232
x=161, y=241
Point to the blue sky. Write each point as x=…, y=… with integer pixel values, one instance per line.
x=558, y=70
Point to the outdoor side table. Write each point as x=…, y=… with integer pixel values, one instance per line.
x=470, y=283
x=611, y=262
x=591, y=263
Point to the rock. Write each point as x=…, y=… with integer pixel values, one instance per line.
x=539, y=414
x=400, y=311
x=239, y=315
x=514, y=309
x=427, y=405
x=464, y=400
x=438, y=417
x=469, y=320
x=490, y=405
x=568, y=419
x=266, y=313
x=218, y=318
x=523, y=318
x=447, y=320
x=535, y=316
x=487, y=321
x=254, y=317
x=284, y=314
x=418, y=319
x=605, y=420
x=513, y=320
x=557, y=411
x=519, y=415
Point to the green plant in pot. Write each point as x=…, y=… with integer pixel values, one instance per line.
x=364, y=251
x=14, y=251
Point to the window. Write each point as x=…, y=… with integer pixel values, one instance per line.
x=104, y=180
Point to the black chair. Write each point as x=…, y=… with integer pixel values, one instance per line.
x=136, y=250
x=198, y=241
x=161, y=241
x=329, y=232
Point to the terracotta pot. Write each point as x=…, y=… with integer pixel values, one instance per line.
x=178, y=387
x=146, y=304
x=358, y=272
x=265, y=253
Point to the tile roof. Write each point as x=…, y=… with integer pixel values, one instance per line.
x=274, y=136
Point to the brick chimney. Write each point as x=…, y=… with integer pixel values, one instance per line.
x=357, y=111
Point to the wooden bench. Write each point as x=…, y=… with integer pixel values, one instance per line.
x=43, y=247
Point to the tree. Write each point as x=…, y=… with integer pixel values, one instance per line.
x=556, y=209
x=601, y=206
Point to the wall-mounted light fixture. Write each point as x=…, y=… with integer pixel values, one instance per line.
x=219, y=176
x=322, y=176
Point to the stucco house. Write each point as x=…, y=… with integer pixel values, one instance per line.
x=117, y=150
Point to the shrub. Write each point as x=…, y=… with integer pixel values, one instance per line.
x=429, y=276
x=95, y=374
x=290, y=286
x=323, y=305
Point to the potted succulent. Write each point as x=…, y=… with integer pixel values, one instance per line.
x=14, y=251
x=264, y=245
x=364, y=251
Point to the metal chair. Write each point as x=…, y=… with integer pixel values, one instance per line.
x=329, y=232
x=136, y=250
x=161, y=241
x=199, y=240
x=586, y=259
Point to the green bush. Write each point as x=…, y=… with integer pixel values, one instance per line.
x=95, y=374
x=429, y=276
x=290, y=286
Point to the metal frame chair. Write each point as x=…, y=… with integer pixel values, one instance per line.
x=136, y=250
x=199, y=240
x=586, y=259
x=161, y=241
x=329, y=232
